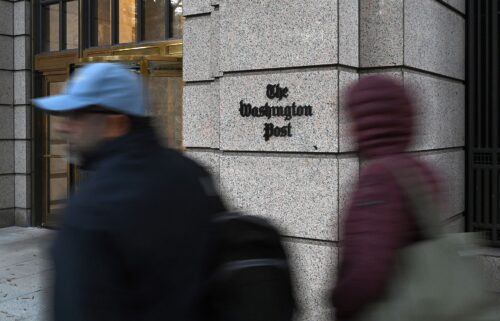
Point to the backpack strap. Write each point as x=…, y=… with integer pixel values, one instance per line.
x=424, y=208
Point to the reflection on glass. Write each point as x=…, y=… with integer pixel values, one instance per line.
x=127, y=21
x=101, y=20
x=71, y=24
x=58, y=176
x=165, y=99
x=50, y=14
x=177, y=18
x=154, y=19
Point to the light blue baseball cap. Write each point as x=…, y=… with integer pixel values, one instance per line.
x=111, y=86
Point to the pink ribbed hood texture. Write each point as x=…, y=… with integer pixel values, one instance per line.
x=382, y=113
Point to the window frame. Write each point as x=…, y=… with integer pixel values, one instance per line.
x=87, y=35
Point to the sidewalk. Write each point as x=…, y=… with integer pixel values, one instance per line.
x=25, y=273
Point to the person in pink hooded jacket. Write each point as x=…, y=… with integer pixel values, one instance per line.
x=379, y=221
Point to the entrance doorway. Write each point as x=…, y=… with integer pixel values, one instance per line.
x=55, y=178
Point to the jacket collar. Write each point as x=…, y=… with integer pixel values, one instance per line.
x=137, y=140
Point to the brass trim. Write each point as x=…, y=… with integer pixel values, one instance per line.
x=53, y=156
x=167, y=48
x=55, y=63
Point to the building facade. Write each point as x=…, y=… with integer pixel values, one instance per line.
x=254, y=91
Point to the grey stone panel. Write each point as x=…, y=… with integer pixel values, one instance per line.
x=22, y=87
x=22, y=18
x=22, y=50
x=381, y=33
x=197, y=57
x=6, y=122
x=6, y=156
x=455, y=226
x=316, y=133
x=7, y=217
x=7, y=191
x=22, y=122
x=23, y=191
x=6, y=52
x=314, y=266
x=22, y=217
x=457, y=4
x=434, y=38
x=395, y=73
x=450, y=168
x=216, y=44
x=278, y=34
x=22, y=157
x=349, y=32
x=7, y=88
x=440, y=111
x=346, y=140
x=299, y=194
x=6, y=17
x=201, y=116
x=348, y=178
x=192, y=7
x=210, y=160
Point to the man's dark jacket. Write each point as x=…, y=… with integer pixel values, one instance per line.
x=136, y=241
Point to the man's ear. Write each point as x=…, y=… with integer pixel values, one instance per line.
x=116, y=126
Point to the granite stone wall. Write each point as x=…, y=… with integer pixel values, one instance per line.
x=234, y=49
x=15, y=92
x=422, y=43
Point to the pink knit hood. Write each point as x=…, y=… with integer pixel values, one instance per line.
x=382, y=113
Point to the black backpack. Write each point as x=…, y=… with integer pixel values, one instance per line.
x=251, y=279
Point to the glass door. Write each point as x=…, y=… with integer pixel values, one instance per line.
x=55, y=177
x=58, y=176
x=165, y=88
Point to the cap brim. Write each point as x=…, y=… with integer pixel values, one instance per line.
x=62, y=103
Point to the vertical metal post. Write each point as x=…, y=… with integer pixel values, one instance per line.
x=81, y=19
x=115, y=22
x=168, y=19
x=494, y=107
x=139, y=21
x=470, y=77
x=62, y=6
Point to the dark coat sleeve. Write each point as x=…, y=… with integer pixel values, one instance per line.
x=377, y=225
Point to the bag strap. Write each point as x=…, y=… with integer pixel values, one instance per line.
x=424, y=207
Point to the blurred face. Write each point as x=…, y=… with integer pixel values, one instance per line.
x=83, y=131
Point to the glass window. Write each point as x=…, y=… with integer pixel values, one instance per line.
x=127, y=21
x=101, y=21
x=50, y=18
x=177, y=18
x=153, y=19
x=111, y=22
x=72, y=25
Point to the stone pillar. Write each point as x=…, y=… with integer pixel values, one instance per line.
x=15, y=125
x=422, y=42
x=22, y=111
x=7, y=177
x=232, y=51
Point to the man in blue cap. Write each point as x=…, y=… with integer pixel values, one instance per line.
x=135, y=240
